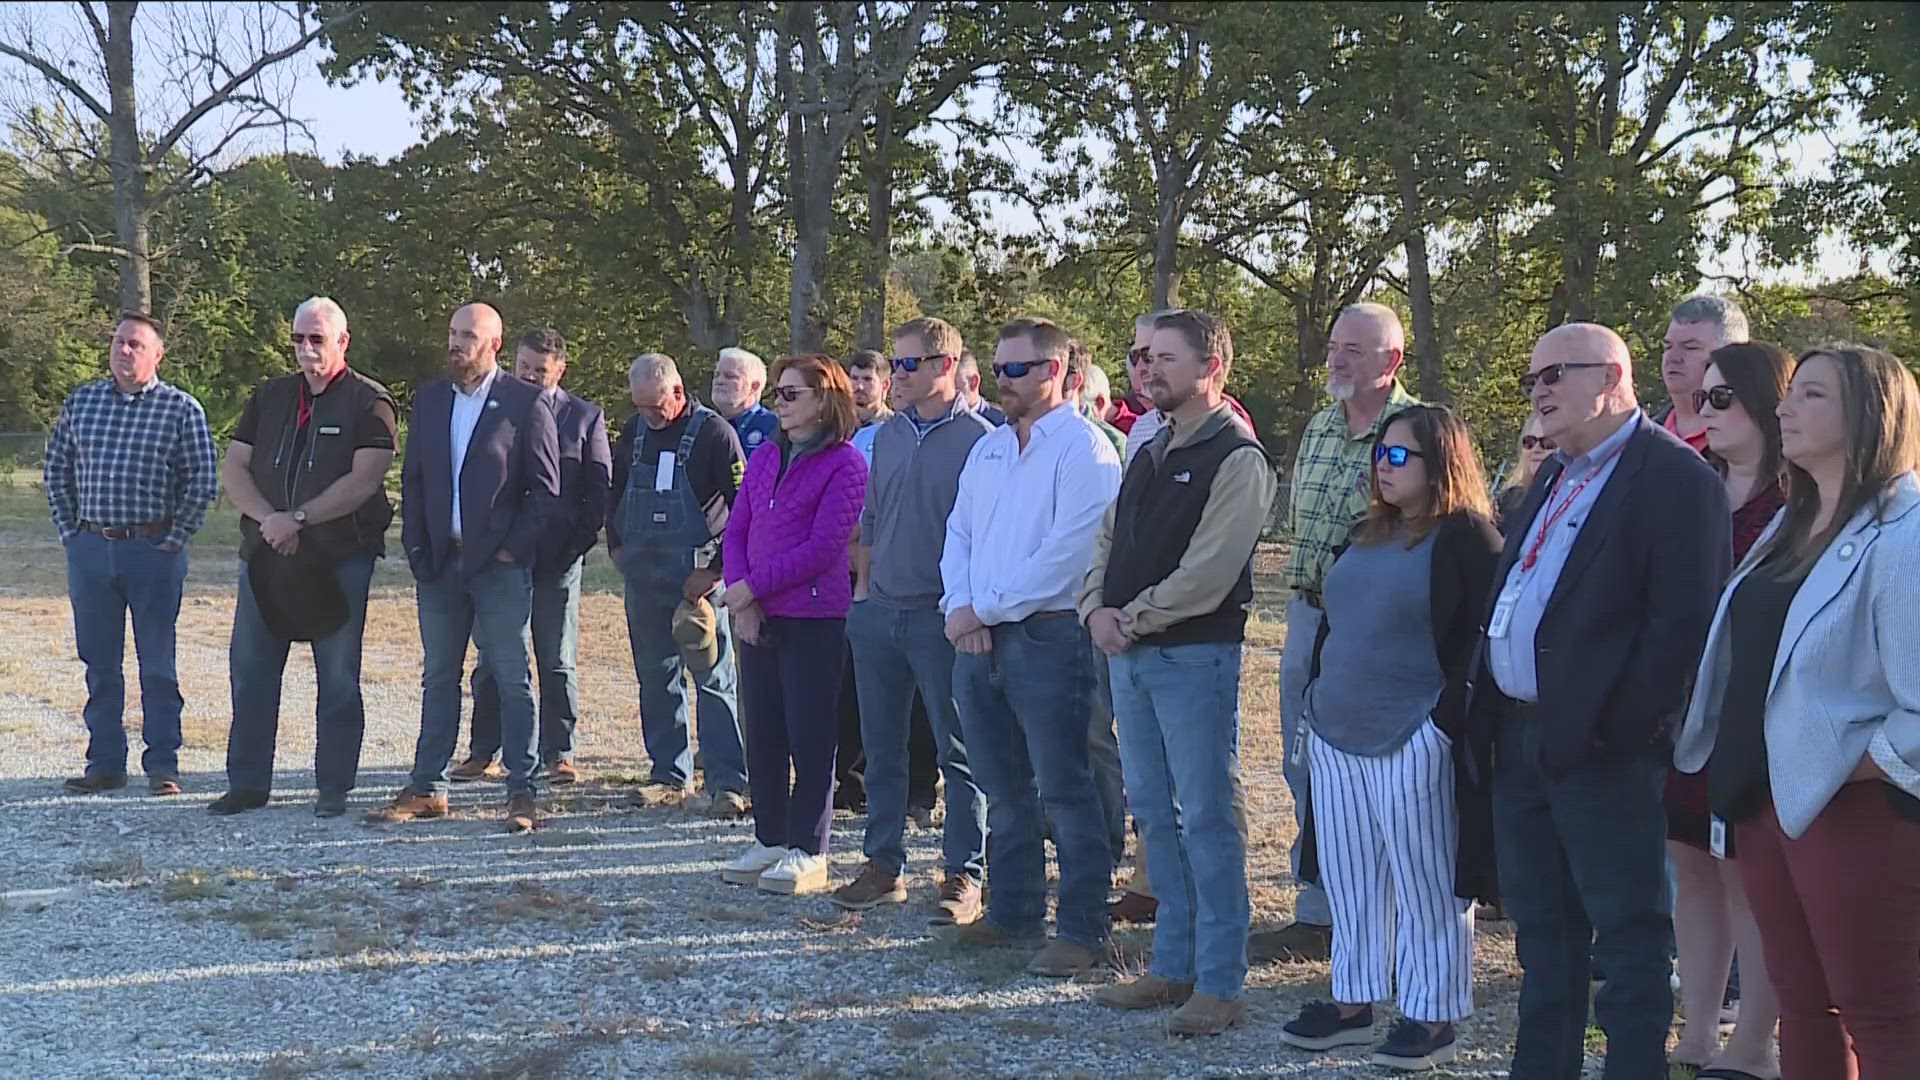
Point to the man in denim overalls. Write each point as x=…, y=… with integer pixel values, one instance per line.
x=676, y=470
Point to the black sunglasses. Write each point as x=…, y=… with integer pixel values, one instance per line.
x=790, y=394
x=1720, y=397
x=1529, y=442
x=1395, y=456
x=1551, y=376
x=1016, y=369
x=912, y=363
x=1139, y=356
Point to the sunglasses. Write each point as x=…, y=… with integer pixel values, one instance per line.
x=1139, y=357
x=912, y=363
x=1551, y=376
x=1530, y=442
x=790, y=394
x=1016, y=369
x=1395, y=456
x=1720, y=397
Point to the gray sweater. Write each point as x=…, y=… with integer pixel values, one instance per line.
x=910, y=491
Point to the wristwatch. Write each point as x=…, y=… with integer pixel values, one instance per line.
x=300, y=518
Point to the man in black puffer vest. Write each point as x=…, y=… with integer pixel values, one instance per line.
x=307, y=470
x=1166, y=600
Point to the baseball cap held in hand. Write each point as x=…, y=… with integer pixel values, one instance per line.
x=693, y=631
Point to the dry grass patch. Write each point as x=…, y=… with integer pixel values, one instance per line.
x=193, y=884
x=125, y=868
x=717, y=1063
x=528, y=900
x=665, y=968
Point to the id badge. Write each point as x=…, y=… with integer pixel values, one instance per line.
x=1503, y=612
x=1717, y=837
x=1299, y=754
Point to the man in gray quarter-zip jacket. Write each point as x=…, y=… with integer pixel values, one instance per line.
x=307, y=470
x=896, y=631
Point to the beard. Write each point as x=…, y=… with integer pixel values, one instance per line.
x=1342, y=389
x=1166, y=399
x=464, y=369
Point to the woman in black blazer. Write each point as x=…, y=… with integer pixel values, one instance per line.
x=1403, y=609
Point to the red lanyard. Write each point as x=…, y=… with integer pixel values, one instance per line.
x=1554, y=513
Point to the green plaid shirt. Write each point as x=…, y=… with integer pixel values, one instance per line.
x=1329, y=487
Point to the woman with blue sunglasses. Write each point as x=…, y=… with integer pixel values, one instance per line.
x=1401, y=854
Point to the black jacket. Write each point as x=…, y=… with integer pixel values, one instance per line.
x=1622, y=634
x=509, y=481
x=291, y=466
x=1464, y=551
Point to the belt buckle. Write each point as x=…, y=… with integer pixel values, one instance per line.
x=117, y=532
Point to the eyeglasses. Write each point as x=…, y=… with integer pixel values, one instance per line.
x=1139, y=357
x=1531, y=442
x=790, y=394
x=1016, y=369
x=912, y=363
x=1551, y=376
x=1720, y=397
x=1395, y=456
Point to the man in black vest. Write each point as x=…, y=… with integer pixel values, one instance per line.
x=307, y=469
x=1166, y=600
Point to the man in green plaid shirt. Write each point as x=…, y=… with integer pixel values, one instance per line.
x=1329, y=493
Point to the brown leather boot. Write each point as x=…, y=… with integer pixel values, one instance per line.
x=408, y=805
x=474, y=768
x=523, y=814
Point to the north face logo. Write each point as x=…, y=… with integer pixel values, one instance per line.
x=1184, y=476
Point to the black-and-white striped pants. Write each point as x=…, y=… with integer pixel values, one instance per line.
x=1388, y=835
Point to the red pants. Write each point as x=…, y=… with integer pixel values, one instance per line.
x=1839, y=915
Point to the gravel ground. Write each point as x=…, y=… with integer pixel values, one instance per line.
x=140, y=937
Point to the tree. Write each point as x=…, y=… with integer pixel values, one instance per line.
x=219, y=56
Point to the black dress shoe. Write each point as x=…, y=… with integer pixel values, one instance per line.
x=94, y=783
x=330, y=804
x=239, y=800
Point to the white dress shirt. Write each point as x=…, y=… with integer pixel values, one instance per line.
x=1021, y=534
x=466, y=416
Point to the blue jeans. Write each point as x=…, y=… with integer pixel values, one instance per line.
x=256, y=660
x=1025, y=709
x=663, y=694
x=556, y=644
x=1583, y=876
x=495, y=609
x=107, y=580
x=1296, y=667
x=896, y=650
x=1178, y=708
x=1103, y=747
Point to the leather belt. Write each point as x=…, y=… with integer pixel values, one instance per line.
x=128, y=532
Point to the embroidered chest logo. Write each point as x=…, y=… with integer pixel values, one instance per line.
x=1184, y=476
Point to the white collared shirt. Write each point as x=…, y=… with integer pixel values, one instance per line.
x=466, y=416
x=1021, y=534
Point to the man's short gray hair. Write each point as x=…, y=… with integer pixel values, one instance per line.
x=653, y=367
x=326, y=308
x=1145, y=322
x=1097, y=385
x=1717, y=310
x=756, y=367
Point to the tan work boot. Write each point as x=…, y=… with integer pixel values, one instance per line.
x=407, y=806
x=1146, y=992
x=982, y=934
x=474, y=768
x=959, y=902
x=1204, y=1014
x=1062, y=959
x=523, y=814
x=872, y=888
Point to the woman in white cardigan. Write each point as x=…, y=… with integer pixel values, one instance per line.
x=1807, y=705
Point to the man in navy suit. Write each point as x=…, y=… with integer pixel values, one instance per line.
x=479, y=487
x=586, y=468
x=1603, y=597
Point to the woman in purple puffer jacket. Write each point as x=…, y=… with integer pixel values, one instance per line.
x=788, y=588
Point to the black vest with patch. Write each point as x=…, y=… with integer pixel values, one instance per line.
x=290, y=468
x=1160, y=504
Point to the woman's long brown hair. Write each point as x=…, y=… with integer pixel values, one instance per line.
x=1880, y=403
x=1455, y=481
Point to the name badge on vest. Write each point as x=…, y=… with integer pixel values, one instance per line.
x=330, y=429
x=1503, y=611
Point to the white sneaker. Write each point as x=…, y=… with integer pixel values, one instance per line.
x=747, y=869
x=796, y=872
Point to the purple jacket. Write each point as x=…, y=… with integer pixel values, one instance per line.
x=788, y=535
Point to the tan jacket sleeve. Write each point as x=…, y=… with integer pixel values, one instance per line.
x=1097, y=575
x=1229, y=529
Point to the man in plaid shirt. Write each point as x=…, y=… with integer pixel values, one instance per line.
x=130, y=472
x=1329, y=494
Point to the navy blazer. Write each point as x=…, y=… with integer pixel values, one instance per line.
x=1624, y=628
x=509, y=482
x=586, y=472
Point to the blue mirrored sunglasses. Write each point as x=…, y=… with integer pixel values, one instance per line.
x=1016, y=369
x=912, y=363
x=1396, y=456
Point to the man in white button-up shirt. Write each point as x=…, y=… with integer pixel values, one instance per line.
x=1018, y=543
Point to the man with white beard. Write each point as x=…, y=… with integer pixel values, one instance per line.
x=1329, y=494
